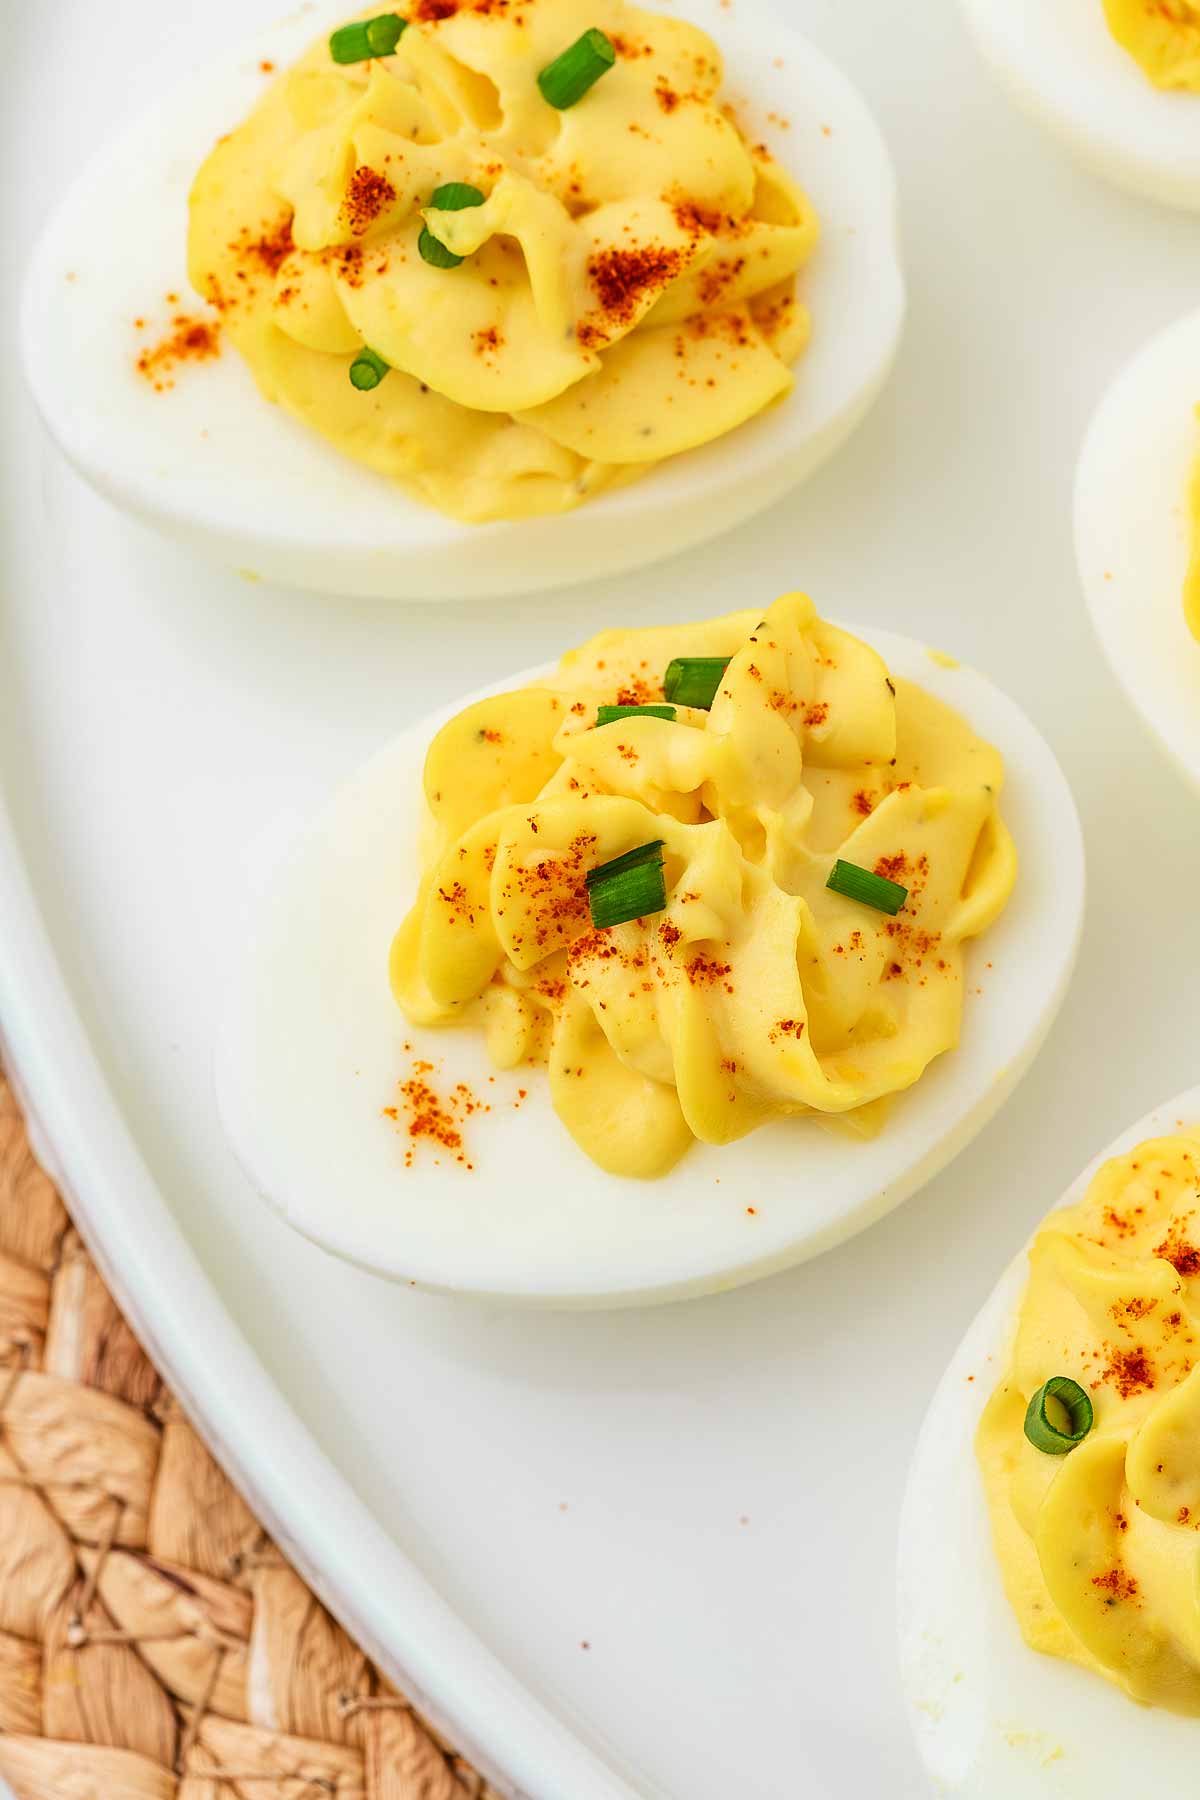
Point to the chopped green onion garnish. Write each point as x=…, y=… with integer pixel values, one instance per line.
x=368, y=370
x=630, y=860
x=694, y=680
x=435, y=252
x=452, y=196
x=567, y=79
x=368, y=38
x=1070, y=1404
x=612, y=715
x=863, y=884
x=456, y=196
x=628, y=887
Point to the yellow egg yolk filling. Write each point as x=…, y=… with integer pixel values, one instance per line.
x=757, y=992
x=627, y=283
x=1162, y=36
x=1099, y=1548
x=1191, y=586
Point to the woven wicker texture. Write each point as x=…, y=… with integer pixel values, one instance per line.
x=154, y=1645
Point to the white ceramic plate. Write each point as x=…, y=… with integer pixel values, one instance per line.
x=235, y=478
x=1061, y=64
x=414, y=1453
x=1133, y=533
x=993, y=1719
x=539, y=1223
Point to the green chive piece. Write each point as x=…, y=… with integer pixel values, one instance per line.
x=368, y=370
x=863, y=884
x=612, y=715
x=694, y=680
x=384, y=33
x=367, y=38
x=632, y=859
x=1074, y=1405
x=452, y=196
x=434, y=252
x=629, y=887
x=567, y=79
x=635, y=895
x=455, y=196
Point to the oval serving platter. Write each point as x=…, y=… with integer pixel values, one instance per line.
x=478, y=1494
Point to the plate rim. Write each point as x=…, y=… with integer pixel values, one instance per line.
x=77, y=1131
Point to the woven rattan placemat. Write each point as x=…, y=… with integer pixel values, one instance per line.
x=154, y=1644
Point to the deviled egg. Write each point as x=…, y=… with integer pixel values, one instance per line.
x=505, y=261
x=531, y=286
x=1048, y=1547
x=1137, y=528
x=1119, y=80
x=659, y=970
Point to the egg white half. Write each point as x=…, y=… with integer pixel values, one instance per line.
x=1133, y=533
x=239, y=479
x=993, y=1719
x=1060, y=62
x=313, y=1045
